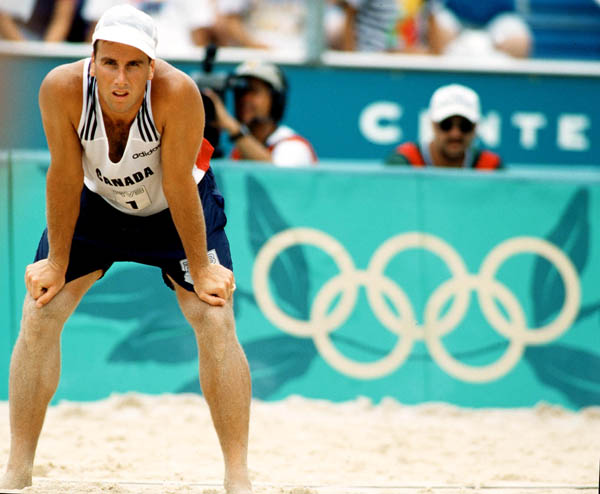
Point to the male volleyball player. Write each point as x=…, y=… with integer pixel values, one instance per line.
x=127, y=183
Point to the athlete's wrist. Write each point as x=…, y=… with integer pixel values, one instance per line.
x=58, y=264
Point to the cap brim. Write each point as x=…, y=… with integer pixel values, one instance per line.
x=450, y=111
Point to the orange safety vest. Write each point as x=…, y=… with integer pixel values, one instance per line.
x=484, y=159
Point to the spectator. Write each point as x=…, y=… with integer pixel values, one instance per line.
x=43, y=20
x=230, y=28
x=278, y=24
x=181, y=23
x=461, y=27
x=256, y=131
x=361, y=25
x=410, y=30
x=454, y=112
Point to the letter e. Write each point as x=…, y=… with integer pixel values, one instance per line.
x=570, y=132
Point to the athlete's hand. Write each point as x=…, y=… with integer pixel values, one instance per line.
x=214, y=284
x=44, y=280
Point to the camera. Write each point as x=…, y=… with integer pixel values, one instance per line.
x=219, y=82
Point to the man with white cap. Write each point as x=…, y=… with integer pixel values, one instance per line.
x=129, y=180
x=260, y=95
x=454, y=112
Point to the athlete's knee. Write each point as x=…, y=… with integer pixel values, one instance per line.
x=215, y=329
x=41, y=323
x=213, y=321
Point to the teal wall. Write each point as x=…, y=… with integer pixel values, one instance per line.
x=354, y=280
x=7, y=305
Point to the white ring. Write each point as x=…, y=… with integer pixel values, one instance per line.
x=260, y=279
x=414, y=240
x=446, y=361
x=405, y=326
x=362, y=370
x=565, y=268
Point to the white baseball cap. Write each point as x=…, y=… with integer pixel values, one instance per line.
x=262, y=70
x=454, y=99
x=130, y=26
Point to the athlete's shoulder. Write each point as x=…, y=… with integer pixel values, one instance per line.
x=62, y=88
x=173, y=89
x=65, y=77
x=169, y=81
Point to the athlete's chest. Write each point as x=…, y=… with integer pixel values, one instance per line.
x=117, y=135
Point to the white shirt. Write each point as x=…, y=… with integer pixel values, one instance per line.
x=290, y=149
x=134, y=184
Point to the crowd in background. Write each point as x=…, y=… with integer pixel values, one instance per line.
x=495, y=28
x=409, y=26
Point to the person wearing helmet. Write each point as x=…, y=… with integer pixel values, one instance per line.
x=256, y=133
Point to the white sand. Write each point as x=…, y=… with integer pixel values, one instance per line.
x=166, y=444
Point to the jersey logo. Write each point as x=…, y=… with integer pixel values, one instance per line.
x=145, y=153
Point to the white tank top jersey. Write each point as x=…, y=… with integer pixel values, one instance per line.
x=134, y=184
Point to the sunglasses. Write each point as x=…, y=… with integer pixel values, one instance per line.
x=463, y=124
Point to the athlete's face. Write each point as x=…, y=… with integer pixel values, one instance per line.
x=255, y=102
x=121, y=71
x=453, y=136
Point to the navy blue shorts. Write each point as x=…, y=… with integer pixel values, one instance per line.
x=104, y=235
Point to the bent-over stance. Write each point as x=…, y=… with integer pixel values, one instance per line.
x=129, y=180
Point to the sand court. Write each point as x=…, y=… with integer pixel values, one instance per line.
x=136, y=443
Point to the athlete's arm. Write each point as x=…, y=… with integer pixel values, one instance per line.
x=181, y=119
x=60, y=106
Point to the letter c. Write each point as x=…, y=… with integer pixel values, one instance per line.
x=376, y=122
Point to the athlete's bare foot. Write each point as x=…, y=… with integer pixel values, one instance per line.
x=13, y=481
x=238, y=485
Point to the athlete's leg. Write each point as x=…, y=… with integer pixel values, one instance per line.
x=225, y=381
x=34, y=375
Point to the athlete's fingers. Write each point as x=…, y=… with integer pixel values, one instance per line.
x=212, y=299
x=46, y=296
x=38, y=291
x=34, y=288
x=28, y=285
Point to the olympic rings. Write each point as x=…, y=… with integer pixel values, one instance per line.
x=404, y=325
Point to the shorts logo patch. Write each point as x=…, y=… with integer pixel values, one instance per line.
x=213, y=258
x=186, y=269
